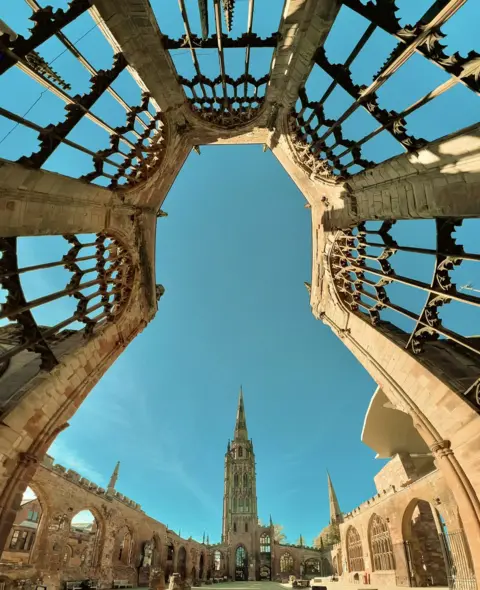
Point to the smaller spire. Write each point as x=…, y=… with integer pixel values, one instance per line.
x=271, y=521
x=335, y=513
x=208, y=539
x=241, y=432
x=113, y=480
x=203, y=540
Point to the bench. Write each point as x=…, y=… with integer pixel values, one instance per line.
x=92, y=584
x=74, y=585
x=120, y=584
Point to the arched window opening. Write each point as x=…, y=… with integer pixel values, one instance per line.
x=23, y=533
x=246, y=527
x=88, y=283
x=241, y=564
x=84, y=539
x=372, y=267
x=381, y=545
x=312, y=566
x=240, y=451
x=235, y=480
x=427, y=562
x=325, y=567
x=124, y=545
x=201, y=566
x=217, y=560
x=182, y=563
x=265, y=546
x=67, y=555
x=286, y=563
x=170, y=557
x=245, y=480
x=354, y=551
x=234, y=527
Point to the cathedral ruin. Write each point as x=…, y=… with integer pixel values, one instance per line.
x=404, y=330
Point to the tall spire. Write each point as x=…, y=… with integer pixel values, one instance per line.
x=335, y=512
x=113, y=480
x=241, y=423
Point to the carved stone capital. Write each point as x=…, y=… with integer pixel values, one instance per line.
x=27, y=459
x=441, y=448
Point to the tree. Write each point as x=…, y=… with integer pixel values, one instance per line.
x=328, y=537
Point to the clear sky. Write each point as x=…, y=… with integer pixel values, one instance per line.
x=233, y=255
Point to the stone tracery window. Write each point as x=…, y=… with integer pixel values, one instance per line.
x=381, y=544
x=265, y=546
x=217, y=560
x=354, y=551
x=388, y=282
x=92, y=281
x=286, y=563
x=240, y=556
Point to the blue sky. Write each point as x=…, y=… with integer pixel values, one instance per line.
x=233, y=255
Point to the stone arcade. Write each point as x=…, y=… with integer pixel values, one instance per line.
x=125, y=543
x=428, y=372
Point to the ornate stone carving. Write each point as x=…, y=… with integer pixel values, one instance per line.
x=441, y=448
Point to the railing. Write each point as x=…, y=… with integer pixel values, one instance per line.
x=364, y=278
x=459, y=568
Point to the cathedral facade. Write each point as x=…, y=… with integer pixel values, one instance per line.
x=249, y=550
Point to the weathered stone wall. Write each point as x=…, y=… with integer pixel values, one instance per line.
x=402, y=470
x=449, y=426
x=407, y=511
x=62, y=494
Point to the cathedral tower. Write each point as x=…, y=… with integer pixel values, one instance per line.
x=240, y=491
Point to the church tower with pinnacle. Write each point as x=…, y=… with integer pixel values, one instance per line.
x=240, y=489
x=240, y=517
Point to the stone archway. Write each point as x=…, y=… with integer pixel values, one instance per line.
x=423, y=544
x=241, y=564
x=182, y=563
x=29, y=527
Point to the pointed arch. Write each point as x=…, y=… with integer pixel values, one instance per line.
x=241, y=563
x=93, y=535
x=182, y=562
x=355, y=559
x=286, y=563
x=67, y=556
x=123, y=546
x=381, y=548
